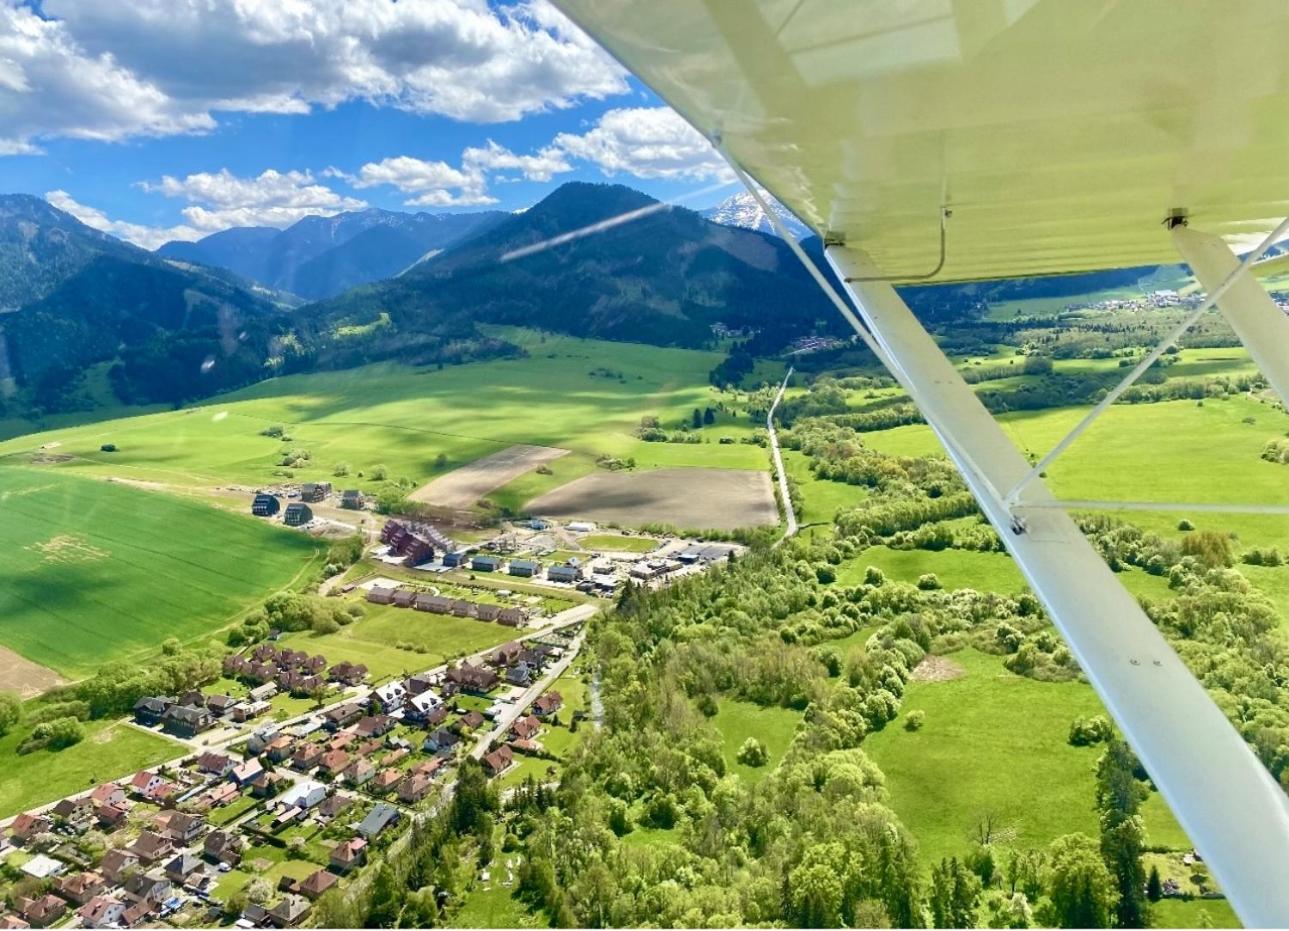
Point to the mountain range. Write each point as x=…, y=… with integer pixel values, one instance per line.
x=743, y=211
x=596, y=260
x=320, y=257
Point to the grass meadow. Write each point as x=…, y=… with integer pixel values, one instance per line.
x=108, y=750
x=738, y=720
x=97, y=571
x=992, y=742
x=584, y=395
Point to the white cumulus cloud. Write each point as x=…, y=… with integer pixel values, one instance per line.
x=149, y=237
x=646, y=142
x=109, y=70
x=218, y=200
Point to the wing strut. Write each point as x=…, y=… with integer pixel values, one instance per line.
x=1262, y=327
x=1230, y=807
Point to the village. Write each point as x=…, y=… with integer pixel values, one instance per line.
x=268, y=810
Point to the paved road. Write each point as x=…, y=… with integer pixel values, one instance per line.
x=789, y=516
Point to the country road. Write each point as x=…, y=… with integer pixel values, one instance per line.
x=789, y=515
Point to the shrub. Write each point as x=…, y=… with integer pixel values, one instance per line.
x=928, y=582
x=914, y=720
x=1085, y=731
x=1185, y=525
x=753, y=753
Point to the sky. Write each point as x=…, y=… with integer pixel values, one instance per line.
x=173, y=119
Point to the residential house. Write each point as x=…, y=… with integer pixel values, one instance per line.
x=306, y=757
x=219, y=794
x=150, y=846
x=101, y=912
x=74, y=812
x=380, y=595
x=435, y=604
x=317, y=883
x=179, y=826
x=342, y=740
x=455, y=559
x=377, y=725
x=548, y=704
x=380, y=817
x=564, y=573
x=359, y=772
x=109, y=793
x=390, y=696
x=10, y=922
x=333, y=762
x=223, y=847
x=526, y=728
x=185, y=869
x=136, y=913
x=304, y=795
x=313, y=492
x=485, y=563
x=524, y=568
x=343, y=715
x=506, y=654
x=420, y=707
x=348, y=855
x=279, y=748
x=297, y=514
x=347, y=673
x=265, y=691
x=149, y=711
x=186, y=721
x=40, y=911
x=112, y=816
x=333, y=806
x=441, y=742
x=26, y=826
x=116, y=863
x=498, y=761
x=512, y=617
x=487, y=612
x=265, y=505
x=80, y=887
x=148, y=888
x=290, y=911
x=215, y=764
x=418, y=683
x=385, y=780
x=414, y=788
x=462, y=608
x=247, y=772
x=247, y=711
x=474, y=679
x=520, y=674
x=265, y=784
x=352, y=499
x=220, y=705
x=468, y=722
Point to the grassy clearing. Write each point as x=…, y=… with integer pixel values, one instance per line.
x=821, y=499
x=738, y=720
x=374, y=640
x=1194, y=913
x=994, y=572
x=108, y=751
x=992, y=742
x=494, y=906
x=404, y=418
x=98, y=571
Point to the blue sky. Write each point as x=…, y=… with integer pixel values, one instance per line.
x=164, y=119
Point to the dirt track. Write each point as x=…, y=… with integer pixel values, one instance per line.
x=689, y=499
x=462, y=487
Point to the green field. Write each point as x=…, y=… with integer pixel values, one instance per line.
x=494, y=906
x=1171, y=451
x=995, y=743
x=98, y=571
x=374, y=640
x=738, y=720
x=820, y=499
x=109, y=751
x=986, y=572
x=612, y=542
x=404, y=418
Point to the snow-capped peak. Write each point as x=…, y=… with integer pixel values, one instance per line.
x=743, y=211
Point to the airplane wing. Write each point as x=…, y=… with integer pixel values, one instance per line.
x=1063, y=137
